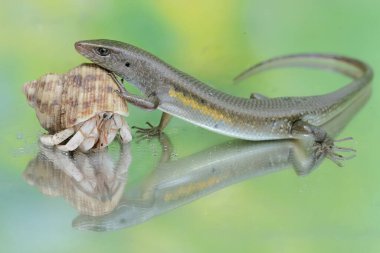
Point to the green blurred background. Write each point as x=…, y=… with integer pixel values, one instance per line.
x=332, y=210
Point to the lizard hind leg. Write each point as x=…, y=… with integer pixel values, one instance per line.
x=255, y=95
x=336, y=157
x=323, y=145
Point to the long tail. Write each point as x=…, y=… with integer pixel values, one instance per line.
x=350, y=67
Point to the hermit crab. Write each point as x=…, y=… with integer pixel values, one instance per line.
x=79, y=109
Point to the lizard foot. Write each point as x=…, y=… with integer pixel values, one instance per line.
x=328, y=149
x=148, y=132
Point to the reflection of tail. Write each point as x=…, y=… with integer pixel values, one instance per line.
x=350, y=67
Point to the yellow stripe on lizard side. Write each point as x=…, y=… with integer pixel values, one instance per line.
x=196, y=105
x=190, y=189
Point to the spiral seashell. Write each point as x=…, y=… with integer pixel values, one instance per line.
x=62, y=101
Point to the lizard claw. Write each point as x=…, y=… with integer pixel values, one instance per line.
x=328, y=149
x=148, y=132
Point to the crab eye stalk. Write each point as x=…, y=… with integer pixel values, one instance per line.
x=102, y=51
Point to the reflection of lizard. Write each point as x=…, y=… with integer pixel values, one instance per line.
x=176, y=183
x=90, y=182
x=258, y=118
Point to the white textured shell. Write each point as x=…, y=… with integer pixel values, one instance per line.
x=62, y=101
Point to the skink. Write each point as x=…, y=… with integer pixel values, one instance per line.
x=257, y=118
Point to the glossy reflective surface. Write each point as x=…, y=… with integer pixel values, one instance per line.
x=191, y=190
x=94, y=183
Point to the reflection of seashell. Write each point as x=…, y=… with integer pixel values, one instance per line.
x=89, y=182
x=83, y=98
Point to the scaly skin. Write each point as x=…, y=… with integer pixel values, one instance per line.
x=258, y=118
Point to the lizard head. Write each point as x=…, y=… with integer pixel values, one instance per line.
x=123, y=59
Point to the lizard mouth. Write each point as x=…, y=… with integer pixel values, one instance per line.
x=78, y=45
x=81, y=48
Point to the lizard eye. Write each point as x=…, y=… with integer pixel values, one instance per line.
x=102, y=51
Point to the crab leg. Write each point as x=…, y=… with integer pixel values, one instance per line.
x=80, y=135
x=109, y=129
x=125, y=132
x=55, y=139
x=112, y=131
x=90, y=140
x=103, y=134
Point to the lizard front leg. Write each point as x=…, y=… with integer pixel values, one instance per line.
x=145, y=103
x=151, y=104
x=155, y=130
